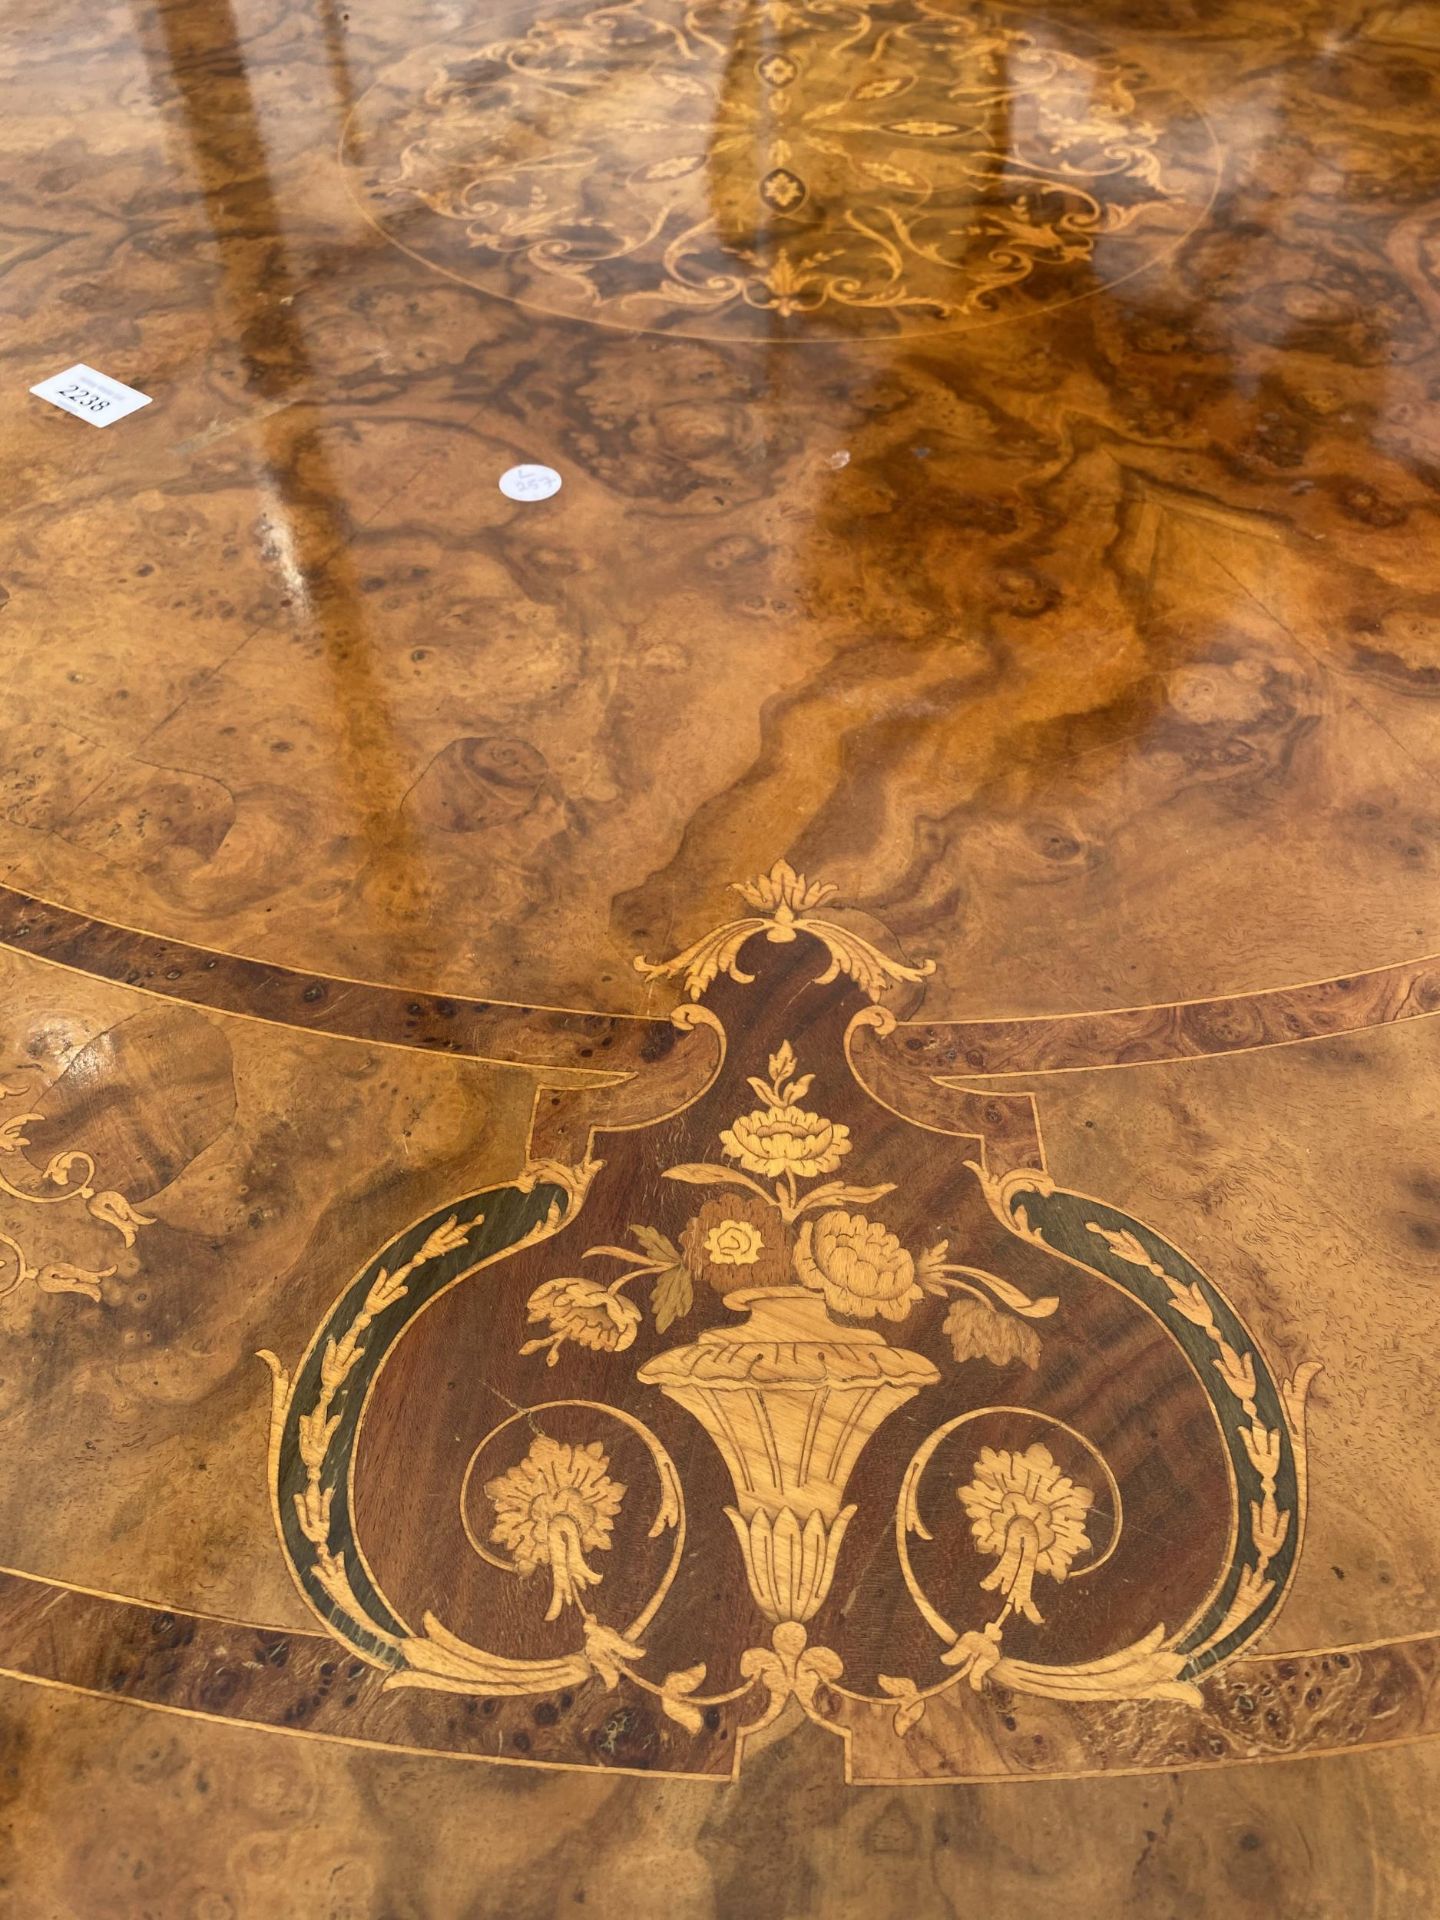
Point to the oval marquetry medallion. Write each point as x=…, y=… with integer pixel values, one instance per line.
x=779, y=171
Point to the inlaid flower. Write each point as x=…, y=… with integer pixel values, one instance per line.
x=551, y=1510
x=1023, y=1509
x=784, y=1140
x=977, y=1330
x=736, y=1243
x=859, y=1266
x=582, y=1310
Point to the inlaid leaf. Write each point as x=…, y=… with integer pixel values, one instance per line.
x=673, y=168
x=116, y=1211
x=673, y=1295
x=892, y=176
x=910, y=1708
x=1017, y=1301
x=1263, y=1446
x=682, y=1712
x=833, y=1192
x=61, y=1277
x=62, y=1165
x=926, y=129
x=449, y=1237
x=782, y=1062
x=1190, y=1302
x=1237, y=1371
x=655, y=1244
x=701, y=1173
x=11, y=1138
x=1127, y=1246
x=607, y=1651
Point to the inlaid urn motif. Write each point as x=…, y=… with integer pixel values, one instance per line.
x=752, y=1395
x=791, y=1399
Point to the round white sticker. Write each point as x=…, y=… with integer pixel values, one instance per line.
x=529, y=483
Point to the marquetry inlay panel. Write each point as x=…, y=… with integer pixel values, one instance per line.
x=738, y=171
x=773, y=1405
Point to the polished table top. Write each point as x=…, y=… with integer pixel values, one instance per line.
x=1000, y=458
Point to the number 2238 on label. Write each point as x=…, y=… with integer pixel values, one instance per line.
x=90, y=395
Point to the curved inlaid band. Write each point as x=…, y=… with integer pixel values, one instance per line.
x=300, y=1682
x=499, y=1031
x=1183, y=1030
x=512, y=1033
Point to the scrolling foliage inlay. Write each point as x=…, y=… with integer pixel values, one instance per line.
x=67, y=1177
x=783, y=1402
x=720, y=167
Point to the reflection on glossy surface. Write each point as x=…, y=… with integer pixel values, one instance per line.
x=1141, y=576
x=1000, y=474
x=724, y=169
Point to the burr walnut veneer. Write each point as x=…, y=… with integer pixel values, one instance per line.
x=720, y=1197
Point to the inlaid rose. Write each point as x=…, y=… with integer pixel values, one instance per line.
x=858, y=1264
x=736, y=1243
x=733, y=1243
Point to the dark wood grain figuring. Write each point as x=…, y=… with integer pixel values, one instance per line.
x=403, y=1832
x=1141, y=1036
x=593, y=1043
